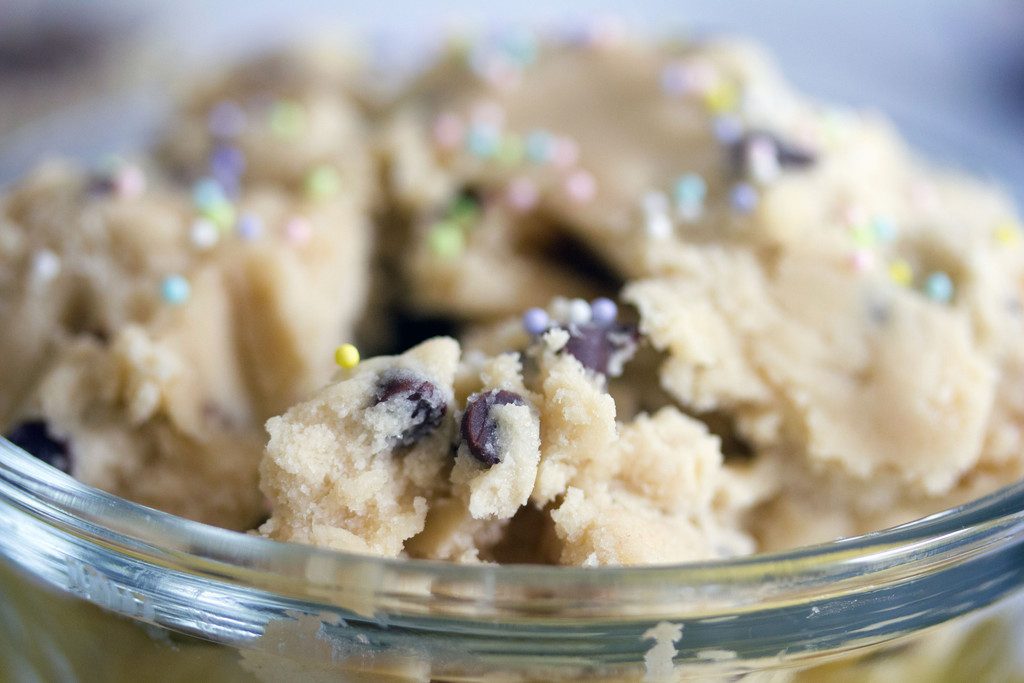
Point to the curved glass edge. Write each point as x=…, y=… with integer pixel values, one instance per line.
x=170, y=541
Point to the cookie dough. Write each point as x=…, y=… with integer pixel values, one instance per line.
x=698, y=315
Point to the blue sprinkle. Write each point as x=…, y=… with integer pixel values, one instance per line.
x=520, y=46
x=939, y=287
x=227, y=161
x=743, y=197
x=728, y=129
x=884, y=229
x=250, y=226
x=690, y=189
x=538, y=146
x=482, y=141
x=536, y=321
x=603, y=311
x=208, y=193
x=175, y=289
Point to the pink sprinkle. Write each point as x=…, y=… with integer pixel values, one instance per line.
x=298, y=231
x=862, y=260
x=700, y=76
x=130, y=181
x=522, y=194
x=565, y=153
x=501, y=75
x=855, y=215
x=581, y=187
x=448, y=131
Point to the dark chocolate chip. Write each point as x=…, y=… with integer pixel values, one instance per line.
x=787, y=154
x=602, y=348
x=479, y=430
x=427, y=405
x=34, y=437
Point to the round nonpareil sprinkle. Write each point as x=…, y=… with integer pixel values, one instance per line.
x=762, y=159
x=222, y=214
x=203, y=234
x=939, y=287
x=863, y=235
x=483, y=140
x=743, y=197
x=287, y=119
x=722, y=98
x=130, y=181
x=227, y=162
x=207, y=193
x=175, y=290
x=322, y=182
x=603, y=310
x=538, y=146
x=581, y=187
x=1007, y=233
x=536, y=321
x=298, y=230
x=884, y=229
x=862, y=260
x=658, y=224
x=901, y=272
x=250, y=226
x=346, y=356
x=45, y=265
x=578, y=312
x=522, y=194
x=446, y=240
x=511, y=150
x=690, y=189
x=448, y=131
x=728, y=129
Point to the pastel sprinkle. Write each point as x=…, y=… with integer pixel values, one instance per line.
x=222, y=214
x=207, y=193
x=511, y=150
x=722, y=98
x=674, y=81
x=862, y=260
x=538, y=146
x=581, y=187
x=939, y=287
x=45, y=265
x=250, y=226
x=654, y=202
x=658, y=225
x=743, y=197
x=298, y=230
x=536, y=321
x=226, y=120
x=728, y=129
x=204, y=234
x=763, y=159
x=522, y=194
x=322, y=182
x=603, y=310
x=448, y=131
x=565, y=153
x=884, y=228
x=446, y=240
x=863, y=235
x=175, y=290
x=346, y=356
x=901, y=272
x=287, y=118
x=579, y=312
x=226, y=162
x=130, y=181
x=483, y=140
x=690, y=189
x=1006, y=233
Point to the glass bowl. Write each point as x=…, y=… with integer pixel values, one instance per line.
x=184, y=600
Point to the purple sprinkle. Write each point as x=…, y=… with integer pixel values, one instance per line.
x=536, y=321
x=226, y=120
x=226, y=160
x=249, y=226
x=603, y=311
x=728, y=129
x=743, y=197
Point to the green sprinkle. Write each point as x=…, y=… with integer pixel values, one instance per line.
x=287, y=118
x=864, y=235
x=512, y=150
x=464, y=212
x=221, y=214
x=446, y=240
x=323, y=182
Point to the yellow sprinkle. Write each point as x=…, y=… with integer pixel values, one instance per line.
x=347, y=356
x=722, y=98
x=901, y=273
x=1006, y=233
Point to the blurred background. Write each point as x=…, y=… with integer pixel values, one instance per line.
x=84, y=78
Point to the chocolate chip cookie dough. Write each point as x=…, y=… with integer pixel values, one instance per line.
x=692, y=313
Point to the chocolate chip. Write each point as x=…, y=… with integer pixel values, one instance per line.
x=426, y=404
x=479, y=430
x=34, y=436
x=787, y=154
x=602, y=348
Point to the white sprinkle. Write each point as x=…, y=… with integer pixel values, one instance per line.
x=579, y=312
x=658, y=225
x=204, y=234
x=655, y=202
x=45, y=265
